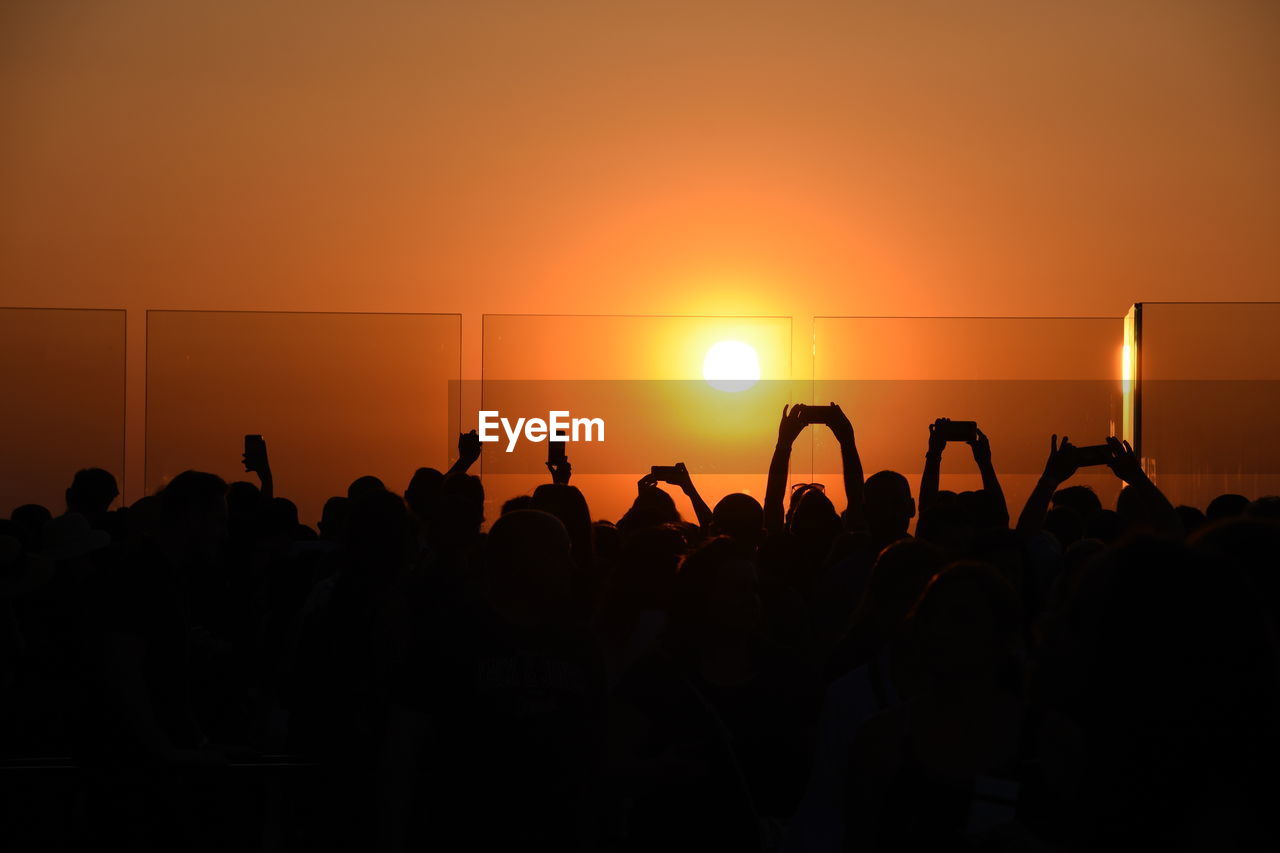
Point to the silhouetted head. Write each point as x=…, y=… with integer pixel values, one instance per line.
x=528, y=566
x=981, y=510
x=28, y=524
x=646, y=567
x=1226, y=506
x=716, y=591
x=568, y=504
x=811, y=513
x=608, y=540
x=651, y=508
x=279, y=516
x=1139, y=511
x=333, y=518
x=1250, y=547
x=518, y=502
x=898, y=578
x=378, y=530
x=739, y=517
x=366, y=485
x=966, y=626
x=1267, y=507
x=1083, y=499
x=91, y=492
x=243, y=500
x=462, y=503
x=888, y=505
x=1191, y=518
x=1006, y=552
x=1065, y=523
x=423, y=492
x=144, y=517
x=1172, y=635
x=1103, y=525
x=193, y=508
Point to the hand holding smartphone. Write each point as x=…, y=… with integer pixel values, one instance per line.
x=817, y=414
x=255, y=453
x=558, y=458
x=1092, y=454
x=948, y=430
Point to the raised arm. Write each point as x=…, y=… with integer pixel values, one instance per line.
x=981, y=446
x=1058, y=468
x=851, y=464
x=932, y=463
x=468, y=453
x=685, y=482
x=256, y=460
x=789, y=427
x=1158, y=511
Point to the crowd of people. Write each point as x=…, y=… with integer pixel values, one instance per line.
x=873, y=671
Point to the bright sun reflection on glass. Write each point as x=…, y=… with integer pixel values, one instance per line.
x=731, y=366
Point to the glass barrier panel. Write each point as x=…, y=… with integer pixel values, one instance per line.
x=335, y=397
x=1209, y=381
x=706, y=391
x=1021, y=379
x=64, y=399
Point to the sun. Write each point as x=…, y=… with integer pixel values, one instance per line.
x=731, y=366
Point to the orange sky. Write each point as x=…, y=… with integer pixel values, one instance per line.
x=811, y=157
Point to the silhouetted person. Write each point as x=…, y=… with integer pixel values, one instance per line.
x=740, y=517
x=29, y=521
x=333, y=518
x=1191, y=518
x=364, y=486
x=705, y=731
x=1226, y=506
x=518, y=502
x=567, y=504
x=1083, y=499
x=91, y=493
x=506, y=714
x=141, y=727
x=888, y=506
x=652, y=507
x=423, y=492
x=1093, y=679
x=862, y=670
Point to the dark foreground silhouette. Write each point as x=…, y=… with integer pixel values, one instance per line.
x=201, y=671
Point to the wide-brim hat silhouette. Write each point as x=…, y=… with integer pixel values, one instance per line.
x=69, y=536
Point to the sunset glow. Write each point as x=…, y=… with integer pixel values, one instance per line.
x=731, y=366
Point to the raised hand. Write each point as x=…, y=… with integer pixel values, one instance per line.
x=937, y=437
x=1062, y=463
x=469, y=446
x=840, y=425
x=648, y=481
x=981, y=446
x=1124, y=462
x=682, y=480
x=255, y=455
x=560, y=472
x=791, y=425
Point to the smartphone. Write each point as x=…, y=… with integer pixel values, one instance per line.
x=959, y=430
x=817, y=414
x=556, y=448
x=1093, y=454
x=666, y=473
x=255, y=450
